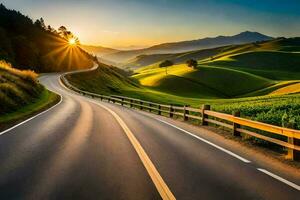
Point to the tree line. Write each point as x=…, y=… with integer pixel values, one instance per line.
x=29, y=44
x=167, y=63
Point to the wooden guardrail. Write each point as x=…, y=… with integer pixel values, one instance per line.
x=238, y=125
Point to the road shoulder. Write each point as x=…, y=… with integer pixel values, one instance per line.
x=46, y=100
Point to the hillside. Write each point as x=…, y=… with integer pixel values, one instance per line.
x=17, y=88
x=272, y=109
x=33, y=45
x=226, y=89
x=98, y=50
x=144, y=60
x=211, y=82
x=278, y=59
x=184, y=46
x=262, y=60
x=21, y=94
x=107, y=79
x=280, y=48
x=226, y=72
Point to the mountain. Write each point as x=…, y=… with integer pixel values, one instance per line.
x=98, y=50
x=144, y=60
x=288, y=46
x=33, y=45
x=179, y=47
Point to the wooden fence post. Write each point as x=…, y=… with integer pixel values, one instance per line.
x=204, y=116
x=292, y=153
x=122, y=101
x=159, y=110
x=130, y=103
x=101, y=98
x=235, y=125
x=296, y=154
x=185, y=113
x=141, y=107
x=150, y=109
x=171, y=111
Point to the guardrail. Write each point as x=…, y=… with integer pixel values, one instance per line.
x=205, y=116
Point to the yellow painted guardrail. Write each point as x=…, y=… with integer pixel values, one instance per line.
x=234, y=122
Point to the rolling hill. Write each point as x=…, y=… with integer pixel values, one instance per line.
x=184, y=46
x=210, y=81
x=262, y=60
x=280, y=47
x=98, y=50
x=144, y=60
x=221, y=80
x=252, y=69
x=278, y=59
x=107, y=79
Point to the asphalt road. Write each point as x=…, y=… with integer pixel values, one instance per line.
x=79, y=150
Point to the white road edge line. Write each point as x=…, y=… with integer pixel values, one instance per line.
x=293, y=185
x=31, y=118
x=207, y=142
x=158, y=181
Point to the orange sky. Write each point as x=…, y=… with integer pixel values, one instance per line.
x=140, y=23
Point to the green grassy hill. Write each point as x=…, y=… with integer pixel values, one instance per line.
x=21, y=94
x=228, y=78
x=185, y=46
x=262, y=60
x=145, y=60
x=202, y=82
x=274, y=109
x=282, y=46
x=239, y=70
x=105, y=80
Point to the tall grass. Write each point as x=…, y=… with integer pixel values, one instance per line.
x=17, y=88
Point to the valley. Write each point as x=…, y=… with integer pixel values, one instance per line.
x=257, y=78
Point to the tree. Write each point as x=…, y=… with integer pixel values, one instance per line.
x=33, y=45
x=64, y=33
x=192, y=63
x=51, y=30
x=40, y=23
x=166, y=64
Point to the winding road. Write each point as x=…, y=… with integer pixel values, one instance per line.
x=87, y=149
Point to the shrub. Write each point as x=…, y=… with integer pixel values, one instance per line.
x=192, y=63
x=166, y=63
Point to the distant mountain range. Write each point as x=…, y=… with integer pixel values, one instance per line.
x=98, y=50
x=290, y=45
x=118, y=56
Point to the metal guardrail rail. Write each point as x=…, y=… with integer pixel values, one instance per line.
x=206, y=117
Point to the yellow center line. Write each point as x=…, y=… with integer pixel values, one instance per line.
x=158, y=181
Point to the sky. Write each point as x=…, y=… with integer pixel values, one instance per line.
x=140, y=23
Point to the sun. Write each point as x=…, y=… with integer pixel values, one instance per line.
x=72, y=41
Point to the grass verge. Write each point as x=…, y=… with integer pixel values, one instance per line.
x=45, y=100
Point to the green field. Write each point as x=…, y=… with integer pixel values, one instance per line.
x=21, y=95
x=262, y=80
x=281, y=46
x=211, y=82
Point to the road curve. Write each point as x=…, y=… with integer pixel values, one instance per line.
x=79, y=150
